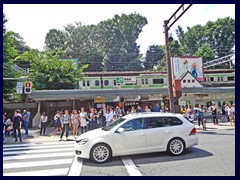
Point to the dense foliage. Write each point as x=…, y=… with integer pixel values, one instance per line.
x=110, y=45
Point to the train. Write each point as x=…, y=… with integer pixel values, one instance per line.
x=148, y=79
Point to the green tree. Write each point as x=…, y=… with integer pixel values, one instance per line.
x=84, y=47
x=117, y=41
x=206, y=52
x=9, y=53
x=110, y=45
x=48, y=71
x=55, y=39
x=4, y=22
x=154, y=56
x=19, y=42
x=221, y=36
x=216, y=38
x=175, y=49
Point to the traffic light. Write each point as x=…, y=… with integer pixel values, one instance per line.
x=28, y=88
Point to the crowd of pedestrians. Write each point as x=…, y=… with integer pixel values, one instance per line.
x=201, y=113
x=81, y=121
x=13, y=124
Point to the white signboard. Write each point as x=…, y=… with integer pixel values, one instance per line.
x=155, y=97
x=129, y=80
x=133, y=98
x=24, y=71
x=19, y=88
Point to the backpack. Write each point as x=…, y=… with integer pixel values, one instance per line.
x=58, y=121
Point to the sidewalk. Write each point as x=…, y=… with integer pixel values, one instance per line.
x=34, y=135
x=213, y=127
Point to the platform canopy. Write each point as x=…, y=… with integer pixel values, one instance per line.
x=90, y=94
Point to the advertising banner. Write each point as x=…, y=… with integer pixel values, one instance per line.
x=181, y=65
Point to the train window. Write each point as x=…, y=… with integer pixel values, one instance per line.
x=84, y=83
x=218, y=78
x=96, y=82
x=146, y=81
x=230, y=78
x=114, y=82
x=88, y=83
x=157, y=81
x=211, y=79
x=221, y=78
x=106, y=82
x=142, y=81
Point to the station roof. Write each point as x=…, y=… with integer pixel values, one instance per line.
x=136, y=73
x=90, y=94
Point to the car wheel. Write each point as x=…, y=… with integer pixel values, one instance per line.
x=176, y=147
x=100, y=153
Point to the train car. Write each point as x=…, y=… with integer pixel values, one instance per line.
x=146, y=79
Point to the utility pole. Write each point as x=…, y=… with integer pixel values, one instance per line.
x=168, y=40
x=169, y=69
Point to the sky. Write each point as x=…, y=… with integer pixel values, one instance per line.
x=33, y=21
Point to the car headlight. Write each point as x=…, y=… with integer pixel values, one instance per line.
x=82, y=141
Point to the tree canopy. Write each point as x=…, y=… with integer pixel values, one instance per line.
x=48, y=71
x=9, y=53
x=110, y=45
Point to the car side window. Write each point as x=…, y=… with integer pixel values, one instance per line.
x=133, y=125
x=172, y=121
x=154, y=122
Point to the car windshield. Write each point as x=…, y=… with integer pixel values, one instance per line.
x=112, y=125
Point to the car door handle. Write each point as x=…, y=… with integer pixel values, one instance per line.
x=167, y=131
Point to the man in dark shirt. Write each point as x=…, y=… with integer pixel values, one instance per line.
x=17, y=124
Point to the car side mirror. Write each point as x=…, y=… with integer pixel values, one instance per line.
x=120, y=130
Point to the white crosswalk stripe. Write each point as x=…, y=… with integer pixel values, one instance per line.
x=43, y=159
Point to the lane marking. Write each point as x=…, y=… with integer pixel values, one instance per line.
x=50, y=172
x=130, y=166
x=37, y=151
x=6, y=158
x=37, y=147
x=76, y=167
x=38, y=144
x=37, y=163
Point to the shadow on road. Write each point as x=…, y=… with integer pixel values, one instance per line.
x=190, y=153
x=114, y=161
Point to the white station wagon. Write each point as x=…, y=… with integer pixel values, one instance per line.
x=136, y=134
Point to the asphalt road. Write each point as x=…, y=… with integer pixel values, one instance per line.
x=213, y=156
